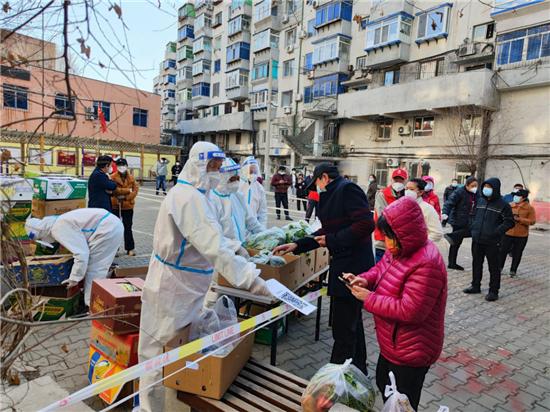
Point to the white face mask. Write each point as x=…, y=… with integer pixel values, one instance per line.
x=282, y=173
x=252, y=177
x=233, y=187
x=214, y=179
x=429, y=187
x=110, y=170
x=397, y=186
x=411, y=193
x=473, y=190
x=122, y=169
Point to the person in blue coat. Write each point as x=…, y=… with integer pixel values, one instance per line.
x=100, y=185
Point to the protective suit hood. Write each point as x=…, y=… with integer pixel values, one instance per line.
x=249, y=164
x=40, y=229
x=194, y=171
x=228, y=169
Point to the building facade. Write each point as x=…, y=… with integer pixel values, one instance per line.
x=440, y=89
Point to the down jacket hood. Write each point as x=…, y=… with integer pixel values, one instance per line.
x=407, y=221
x=495, y=184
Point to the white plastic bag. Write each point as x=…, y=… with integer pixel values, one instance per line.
x=344, y=384
x=316, y=225
x=397, y=402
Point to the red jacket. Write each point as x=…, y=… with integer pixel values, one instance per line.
x=431, y=198
x=281, y=187
x=390, y=198
x=409, y=292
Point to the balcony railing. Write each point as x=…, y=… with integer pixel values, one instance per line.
x=322, y=106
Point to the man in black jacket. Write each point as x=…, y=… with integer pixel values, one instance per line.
x=100, y=185
x=176, y=170
x=493, y=217
x=458, y=209
x=347, y=228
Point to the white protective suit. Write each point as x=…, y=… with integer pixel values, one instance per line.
x=188, y=246
x=92, y=235
x=253, y=191
x=235, y=215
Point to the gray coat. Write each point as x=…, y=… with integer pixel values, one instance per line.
x=161, y=168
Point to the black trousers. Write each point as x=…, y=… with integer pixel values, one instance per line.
x=304, y=202
x=348, y=332
x=127, y=220
x=481, y=251
x=514, y=244
x=409, y=379
x=281, y=198
x=458, y=234
x=311, y=206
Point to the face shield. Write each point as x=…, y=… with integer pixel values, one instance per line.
x=195, y=172
x=40, y=229
x=230, y=175
x=251, y=169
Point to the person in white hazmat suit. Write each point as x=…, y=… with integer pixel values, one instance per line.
x=253, y=191
x=235, y=215
x=188, y=246
x=92, y=235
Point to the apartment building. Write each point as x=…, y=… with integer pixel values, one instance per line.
x=440, y=89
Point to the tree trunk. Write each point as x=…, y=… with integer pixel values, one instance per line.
x=483, y=155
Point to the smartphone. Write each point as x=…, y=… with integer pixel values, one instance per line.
x=345, y=281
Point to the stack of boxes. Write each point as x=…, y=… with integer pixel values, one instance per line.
x=16, y=197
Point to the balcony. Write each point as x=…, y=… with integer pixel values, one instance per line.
x=214, y=124
x=200, y=102
x=321, y=107
x=388, y=8
x=202, y=78
x=519, y=10
x=388, y=54
x=245, y=9
x=185, y=105
x=169, y=116
x=239, y=37
x=203, y=54
x=238, y=64
x=169, y=100
x=331, y=66
x=184, y=83
x=262, y=82
x=269, y=22
x=238, y=94
x=266, y=54
x=432, y=95
x=203, y=31
x=261, y=115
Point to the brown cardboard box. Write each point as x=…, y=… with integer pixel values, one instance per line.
x=108, y=293
x=308, y=266
x=322, y=258
x=42, y=208
x=289, y=275
x=212, y=376
x=137, y=272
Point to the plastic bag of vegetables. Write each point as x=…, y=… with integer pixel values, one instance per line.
x=265, y=257
x=269, y=239
x=297, y=230
x=344, y=384
x=396, y=402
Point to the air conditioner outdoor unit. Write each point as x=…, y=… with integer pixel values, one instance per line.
x=314, y=4
x=89, y=109
x=302, y=34
x=311, y=74
x=467, y=50
x=288, y=110
x=392, y=162
x=404, y=130
x=209, y=7
x=290, y=48
x=285, y=18
x=89, y=117
x=298, y=97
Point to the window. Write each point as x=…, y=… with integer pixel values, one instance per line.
x=240, y=107
x=387, y=31
x=201, y=44
x=184, y=95
x=484, y=32
x=261, y=70
x=217, y=43
x=238, y=24
x=526, y=44
x=381, y=173
x=264, y=134
x=391, y=77
x=201, y=67
x=331, y=49
x=238, y=51
x=217, y=66
x=433, y=23
x=227, y=108
x=171, y=78
x=266, y=39
x=186, y=32
x=333, y=11
x=328, y=85
x=361, y=62
x=169, y=64
x=311, y=30
x=431, y=69
x=215, y=111
x=34, y=157
x=170, y=93
x=215, y=89
x=171, y=47
x=62, y=103
x=15, y=96
x=292, y=6
x=384, y=129
x=185, y=52
x=185, y=72
x=288, y=68
x=236, y=78
x=308, y=94
x=238, y=138
x=239, y=3
x=140, y=117
x=308, y=65
x=187, y=10
x=290, y=37
x=203, y=21
x=471, y=125
x=423, y=126
x=105, y=108
x=264, y=9
x=258, y=100
x=501, y=5
x=286, y=99
x=364, y=23
x=201, y=89
x=218, y=19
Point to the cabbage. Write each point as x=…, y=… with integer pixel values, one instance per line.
x=267, y=240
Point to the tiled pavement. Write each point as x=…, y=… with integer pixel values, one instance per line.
x=496, y=356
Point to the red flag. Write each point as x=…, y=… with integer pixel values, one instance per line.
x=102, y=119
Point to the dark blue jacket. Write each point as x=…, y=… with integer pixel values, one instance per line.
x=348, y=225
x=492, y=217
x=456, y=207
x=98, y=183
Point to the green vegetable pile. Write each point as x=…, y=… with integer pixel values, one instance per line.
x=266, y=258
x=344, y=384
x=298, y=230
x=268, y=240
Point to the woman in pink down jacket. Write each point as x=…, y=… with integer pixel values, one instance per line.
x=407, y=293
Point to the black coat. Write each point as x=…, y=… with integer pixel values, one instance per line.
x=348, y=225
x=98, y=183
x=449, y=190
x=176, y=170
x=371, y=193
x=492, y=217
x=301, y=189
x=456, y=207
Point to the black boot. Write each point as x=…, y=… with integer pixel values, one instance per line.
x=491, y=296
x=455, y=266
x=472, y=290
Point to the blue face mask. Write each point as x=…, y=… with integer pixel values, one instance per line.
x=319, y=190
x=487, y=191
x=371, y=179
x=454, y=184
x=517, y=199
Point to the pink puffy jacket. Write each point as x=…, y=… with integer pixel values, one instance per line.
x=409, y=291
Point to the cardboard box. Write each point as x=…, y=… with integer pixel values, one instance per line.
x=121, y=349
x=212, y=376
x=54, y=309
x=100, y=367
x=126, y=293
x=60, y=291
x=42, y=208
x=46, y=270
x=263, y=335
x=289, y=275
x=19, y=211
x=59, y=188
x=16, y=188
x=308, y=263
x=18, y=231
x=322, y=258
x=137, y=272
x=36, y=249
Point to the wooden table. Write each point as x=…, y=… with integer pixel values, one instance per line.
x=259, y=387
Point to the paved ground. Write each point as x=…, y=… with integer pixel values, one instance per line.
x=496, y=355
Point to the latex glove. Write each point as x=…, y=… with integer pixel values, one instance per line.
x=444, y=217
x=259, y=288
x=242, y=252
x=70, y=283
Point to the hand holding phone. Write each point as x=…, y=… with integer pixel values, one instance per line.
x=344, y=281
